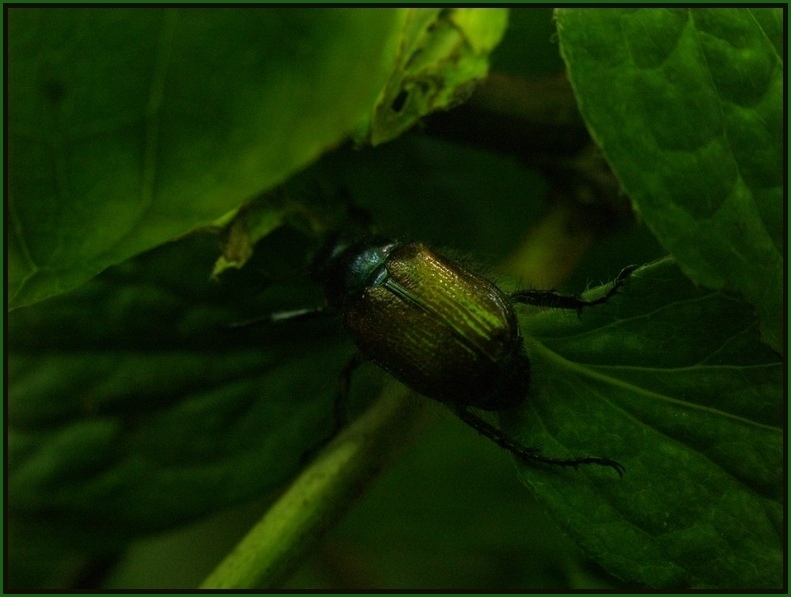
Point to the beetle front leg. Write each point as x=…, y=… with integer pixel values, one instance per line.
x=551, y=298
x=339, y=413
x=342, y=396
x=528, y=454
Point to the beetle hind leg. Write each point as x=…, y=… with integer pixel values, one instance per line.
x=529, y=454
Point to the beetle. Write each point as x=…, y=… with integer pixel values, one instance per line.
x=441, y=329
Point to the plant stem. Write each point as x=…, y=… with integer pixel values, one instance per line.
x=326, y=488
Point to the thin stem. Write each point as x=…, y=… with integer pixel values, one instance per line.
x=292, y=527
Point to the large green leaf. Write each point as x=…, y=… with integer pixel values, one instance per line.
x=674, y=383
x=149, y=412
x=130, y=410
x=128, y=128
x=687, y=105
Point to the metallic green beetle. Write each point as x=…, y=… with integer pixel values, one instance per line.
x=442, y=330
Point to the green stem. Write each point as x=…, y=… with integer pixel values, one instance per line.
x=294, y=524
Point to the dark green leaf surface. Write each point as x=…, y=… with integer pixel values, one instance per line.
x=130, y=410
x=674, y=383
x=130, y=413
x=150, y=413
x=687, y=105
x=131, y=127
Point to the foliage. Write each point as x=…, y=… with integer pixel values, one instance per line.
x=132, y=410
x=132, y=127
x=687, y=106
x=663, y=381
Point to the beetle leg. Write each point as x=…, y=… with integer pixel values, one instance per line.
x=528, y=454
x=344, y=383
x=550, y=298
x=281, y=316
x=339, y=406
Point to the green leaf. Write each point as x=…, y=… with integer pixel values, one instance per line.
x=687, y=105
x=442, y=54
x=132, y=409
x=131, y=127
x=672, y=382
x=150, y=412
